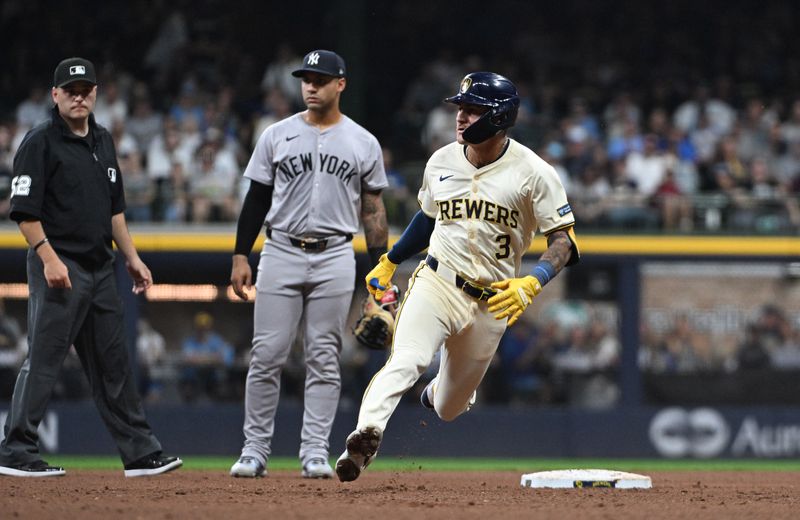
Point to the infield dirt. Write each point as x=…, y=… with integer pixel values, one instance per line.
x=383, y=495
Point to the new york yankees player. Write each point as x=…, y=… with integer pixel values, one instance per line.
x=312, y=176
x=482, y=197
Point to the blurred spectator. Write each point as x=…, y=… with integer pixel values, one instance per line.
x=396, y=197
x=213, y=183
x=439, y=129
x=589, y=195
x=139, y=188
x=110, y=105
x=189, y=106
x=275, y=107
x=787, y=166
x=123, y=141
x=789, y=130
x=674, y=208
x=151, y=355
x=144, y=124
x=626, y=140
x=6, y=168
x=172, y=201
x=679, y=350
x=166, y=149
x=753, y=130
x=278, y=75
x=647, y=169
x=626, y=206
x=13, y=348
x=721, y=116
x=525, y=363
x=752, y=354
x=621, y=115
x=205, y=358
x=34, y=109
x=168, y=160
x=773, y=328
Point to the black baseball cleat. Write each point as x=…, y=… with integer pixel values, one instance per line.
x=37, y=468
x=426, y=397
x=153, y=464
x=362, y=446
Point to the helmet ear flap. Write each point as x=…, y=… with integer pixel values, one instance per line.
x=497, y=118
x=480, y=130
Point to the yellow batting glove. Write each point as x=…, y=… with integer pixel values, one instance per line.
x=516, y=295
x=380, y=278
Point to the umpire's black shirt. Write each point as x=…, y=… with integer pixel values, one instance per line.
x=72, y=185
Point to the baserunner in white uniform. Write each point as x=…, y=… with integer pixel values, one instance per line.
x=483, y=197
x=312, y=175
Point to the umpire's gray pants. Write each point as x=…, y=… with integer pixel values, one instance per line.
x=293, y=284
x=89, y=316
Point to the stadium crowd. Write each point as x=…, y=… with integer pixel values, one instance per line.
x=687, y=146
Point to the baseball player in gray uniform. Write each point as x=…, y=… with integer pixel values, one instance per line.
x=482, y=199
x=312, y=176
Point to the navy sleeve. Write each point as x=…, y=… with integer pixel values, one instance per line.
x=256, y=204
x=414, y=239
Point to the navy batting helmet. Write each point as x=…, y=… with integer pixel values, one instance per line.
x=488, y=89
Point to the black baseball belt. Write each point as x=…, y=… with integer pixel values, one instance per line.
x=310, y=243
x=472, y=289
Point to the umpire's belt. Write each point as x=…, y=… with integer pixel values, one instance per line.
x=309, y=243
x=472, y=289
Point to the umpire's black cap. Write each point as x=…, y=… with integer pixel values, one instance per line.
x=322, y=62
x=74, y=69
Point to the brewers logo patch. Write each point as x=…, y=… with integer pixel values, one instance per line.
x=465, y=84
x=594, y=483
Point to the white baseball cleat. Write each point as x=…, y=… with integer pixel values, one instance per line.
x=317, y=467
x=362, y=446
x=248, y=467
x=426, y=397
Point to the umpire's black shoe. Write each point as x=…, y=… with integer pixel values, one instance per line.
x=37, y=468
x=153, y=464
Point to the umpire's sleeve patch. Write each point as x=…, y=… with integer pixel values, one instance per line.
x=563, y=210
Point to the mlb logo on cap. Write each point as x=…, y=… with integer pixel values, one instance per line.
x=74, y=69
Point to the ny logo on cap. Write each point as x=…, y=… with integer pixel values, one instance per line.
x=313, y=59
x=77, y=69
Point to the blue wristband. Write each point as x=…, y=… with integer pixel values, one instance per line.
x=544, y=272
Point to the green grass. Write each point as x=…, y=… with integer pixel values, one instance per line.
x=463, y=464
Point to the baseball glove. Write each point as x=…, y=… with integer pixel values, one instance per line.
x=375, y=328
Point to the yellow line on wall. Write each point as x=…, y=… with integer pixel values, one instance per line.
x=589, y=244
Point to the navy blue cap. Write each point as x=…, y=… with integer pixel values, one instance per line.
x=322, y=62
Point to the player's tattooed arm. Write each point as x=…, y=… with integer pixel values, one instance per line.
x=559, y=249
x=376, y=229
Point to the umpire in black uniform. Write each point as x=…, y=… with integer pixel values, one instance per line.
x=68, y=200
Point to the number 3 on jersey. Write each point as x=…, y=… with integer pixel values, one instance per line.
x=503, y=241
x=21, y=186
